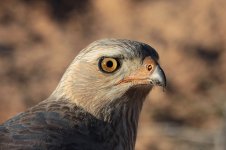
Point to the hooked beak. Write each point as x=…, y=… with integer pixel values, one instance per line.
x=158, y=77
x=149, y=73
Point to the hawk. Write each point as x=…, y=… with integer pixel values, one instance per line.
x=96, y=104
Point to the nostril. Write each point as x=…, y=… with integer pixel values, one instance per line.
x=149, y=67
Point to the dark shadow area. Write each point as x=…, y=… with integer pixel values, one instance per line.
x=7, y=18
x=204, y=85
x=62, y=10
x=6, y=50
x=208, y=55
x=36, y=37
x=167, y=117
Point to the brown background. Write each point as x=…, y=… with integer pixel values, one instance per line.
x=38, y=40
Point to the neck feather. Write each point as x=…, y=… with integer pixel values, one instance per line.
x=121, y=115
x=124, y=115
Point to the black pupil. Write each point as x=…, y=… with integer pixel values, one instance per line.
x=109, y=64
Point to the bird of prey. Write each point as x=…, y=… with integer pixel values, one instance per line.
x=96, y=104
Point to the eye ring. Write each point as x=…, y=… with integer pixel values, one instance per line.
x=108, y=64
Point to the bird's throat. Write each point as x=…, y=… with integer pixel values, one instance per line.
x=123, y=116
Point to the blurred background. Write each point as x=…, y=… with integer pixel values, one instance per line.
x=39, y=39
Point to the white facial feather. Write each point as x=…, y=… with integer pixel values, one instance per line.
x=86, y=85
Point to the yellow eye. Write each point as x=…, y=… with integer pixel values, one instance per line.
x=108, y=65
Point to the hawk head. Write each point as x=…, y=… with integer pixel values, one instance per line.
x=111, y=73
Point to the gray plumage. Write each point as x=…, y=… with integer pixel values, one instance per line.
x=91, y=109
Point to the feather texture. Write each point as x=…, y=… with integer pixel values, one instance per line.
x=57, y=124
x=88, y=110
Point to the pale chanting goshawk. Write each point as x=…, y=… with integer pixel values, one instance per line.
x=96, y=104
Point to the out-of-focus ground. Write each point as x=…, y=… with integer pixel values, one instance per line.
x=38, y=40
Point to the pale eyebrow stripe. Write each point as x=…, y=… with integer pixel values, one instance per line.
x=114, y=56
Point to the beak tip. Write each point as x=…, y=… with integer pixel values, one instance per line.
x=158, y=77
